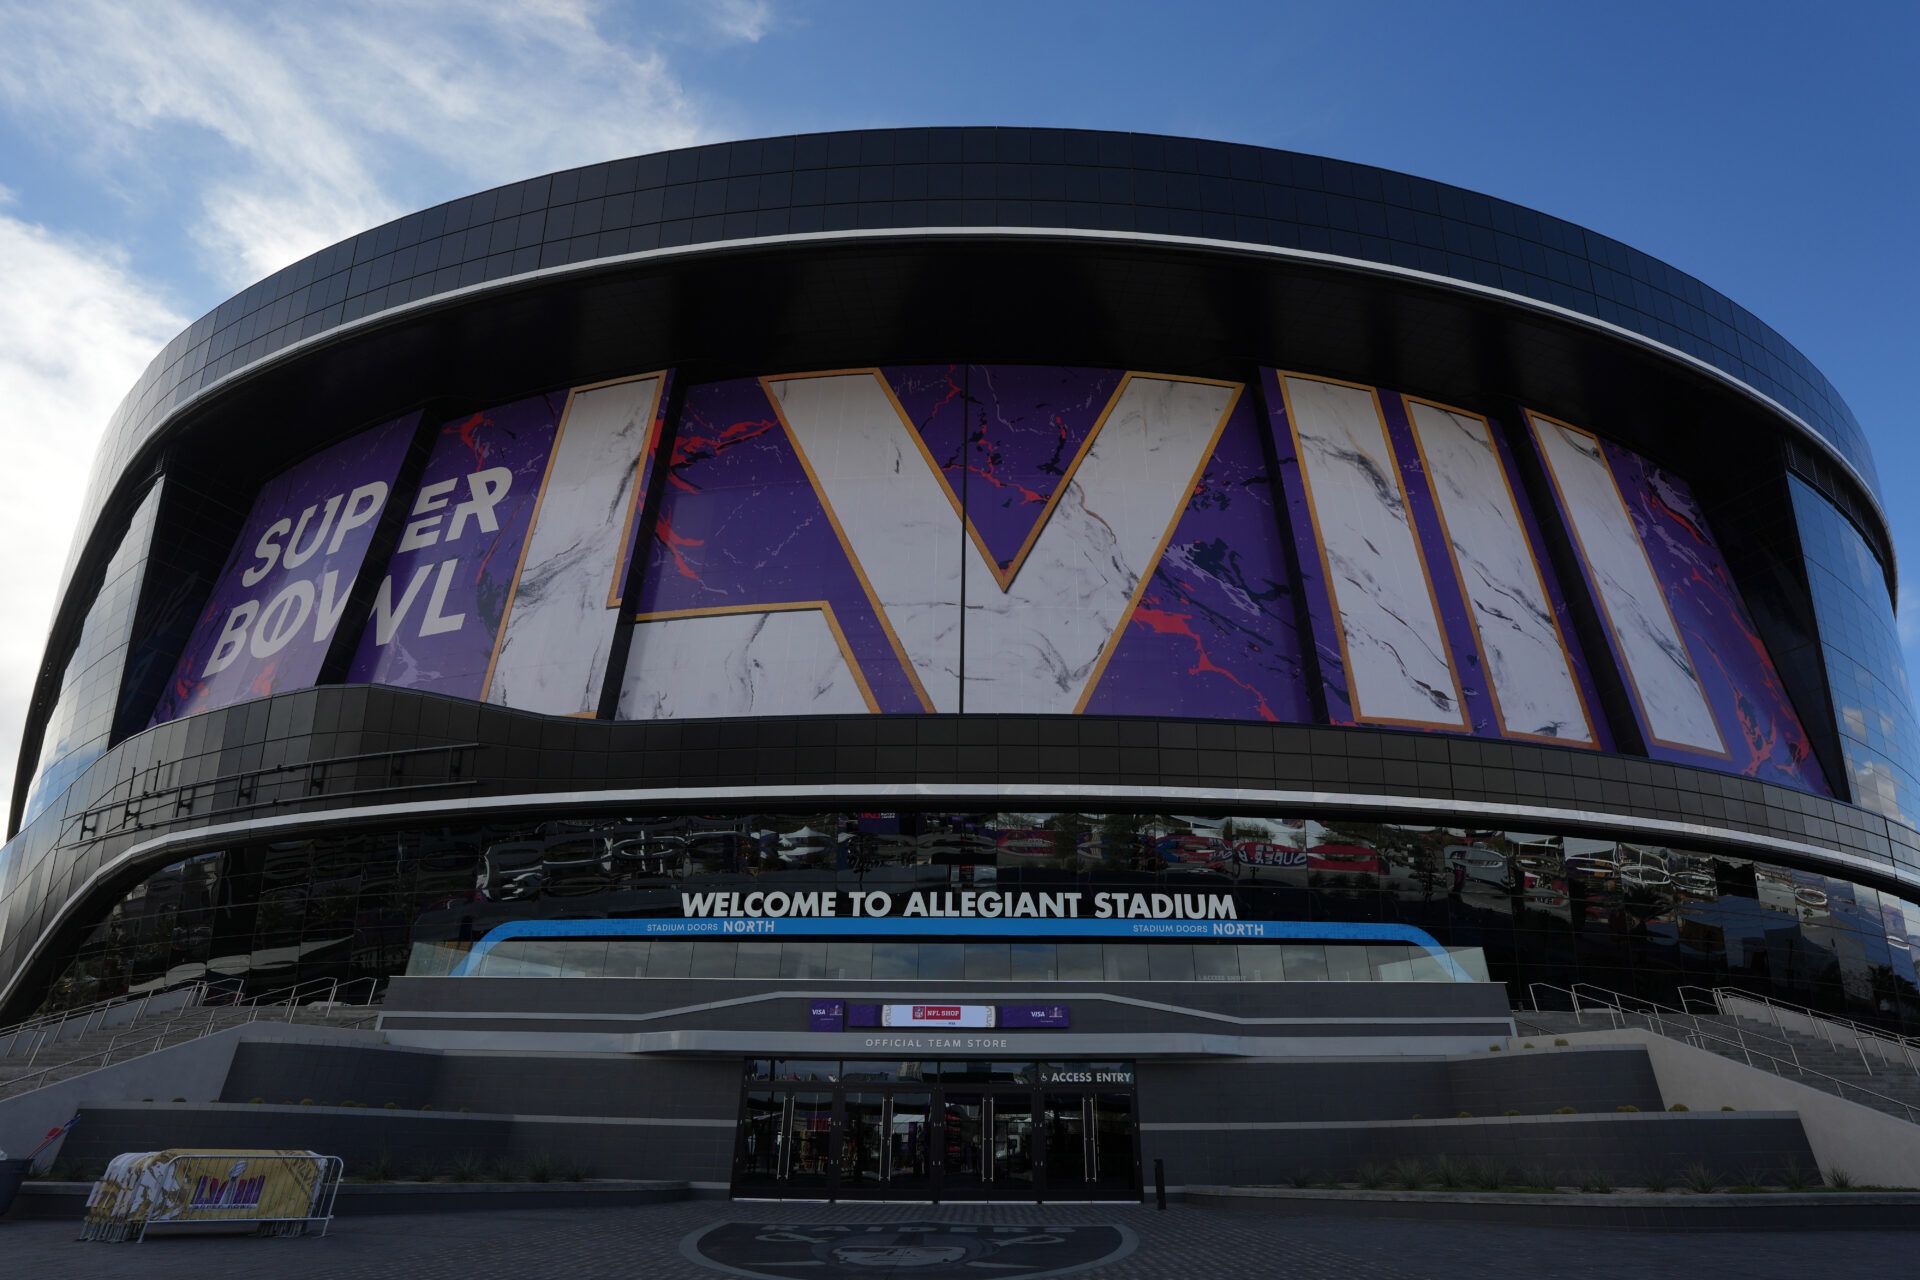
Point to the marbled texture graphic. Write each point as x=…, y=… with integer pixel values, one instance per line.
x=1035, y=646
x=1756, y=717
x=420, y=635
x=1528, y=667
x=894, y=509
x=272, y=613
x=1659, y=666
x=1214, y=634
x=776, y=663
x=559, y=628
x=741, y=528
x=1398, y=667
x=1004, y=438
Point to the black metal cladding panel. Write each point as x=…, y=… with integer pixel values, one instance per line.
x=978, y=177
x=517, y=753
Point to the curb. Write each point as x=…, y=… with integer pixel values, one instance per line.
x=1628, y=1211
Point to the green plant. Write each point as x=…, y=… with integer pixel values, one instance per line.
x=256, y=1101
x=1697, y=1177
x=542, y=1168
x=379, y=1169
x=1448, y=1174
x=1837, y=1178
x=1493, y=1048
x=1726, y=1108
x=577, y=1172
x=179, y=1099
x=390, y=1106
x=1510, y=1111
x=1485, y=1175
x=1563, y=1111
x=1418, y=1116
x=1656, y=1182
x=426, y=1106
x=1597, y=1183
x=468, y=1168
x=1538, y=1180
x=1560, y=1042
x=306, y=1102
x=1463, y=1115
x=1629, y=1108
x=1679, y=1106
x=1371, y=1177
x=1794, y=1178
x=1300, y=1178
x=1408, y=1175
x=1527, y=1045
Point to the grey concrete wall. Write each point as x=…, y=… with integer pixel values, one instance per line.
x=1626, y=1148
x=1596, y=1080
x=196, y=1071
x=694, y=1151
x=1874, y=1147
x=619, y=1086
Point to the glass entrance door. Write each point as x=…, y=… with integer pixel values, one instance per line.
x=810, y=1134
x=1116, y=1158
x=863, y=1144
x=1014, y=1165
x=1068, y=1157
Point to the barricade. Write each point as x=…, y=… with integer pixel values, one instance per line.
x=277, y=1193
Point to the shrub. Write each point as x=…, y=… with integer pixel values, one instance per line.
x=1563, y=1111
x=1464, y=1115
x=1629, y=1108
x=468, y=1168
x=1527, y=1045
x=378, y=1169
x=1486, y=1175
x=256, y=1101
x=1448, y=1175
x=306, y=1102
x=426, y=1106
x=542, y=1168
x=1657, y=1182
x=1371, y=1177
x=1697, y=1177
x=179, y=1099
x=1837, y=1178
x=1512, y=1112
x=1408, y=1175
x=1678, y=1106
x=390, y=1106
x=1493, y=1048
x=1597, y=1183
x=1300, y=1178
x=1560, y=1042
x=1418, y=1116
x=1794, y=1178
x=1726, y=1108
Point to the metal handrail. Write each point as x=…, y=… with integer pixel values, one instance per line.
x=1580, y=991
x=1826, y=1024
x=213, y=1023
x=1657, y=1012
x=48, y=1028
x=1656, y=1015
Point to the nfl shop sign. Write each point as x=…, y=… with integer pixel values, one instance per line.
x=936, y=1015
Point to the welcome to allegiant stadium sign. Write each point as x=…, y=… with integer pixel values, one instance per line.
x=961, y=904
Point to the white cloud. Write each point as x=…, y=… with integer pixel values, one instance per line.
x=747, y=20
x=310, y=123
x=76, y=328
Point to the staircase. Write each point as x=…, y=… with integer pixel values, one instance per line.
x=42, y=1056
x=1860, y=1064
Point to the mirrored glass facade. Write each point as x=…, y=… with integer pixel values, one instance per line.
x=1866, y=668
x=1542, y=912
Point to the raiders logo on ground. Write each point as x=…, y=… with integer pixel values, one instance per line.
x=928, y=1250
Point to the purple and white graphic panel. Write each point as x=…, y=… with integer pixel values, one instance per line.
x=1530, y=671
x=1036, y=640
x=277, y=601
x=1213, y=636
x=743, y=542
x=1393, y=644
x=561, y=616
x=1673, y=705
x=886, y=497
x=1757, y=721
x=436, y=615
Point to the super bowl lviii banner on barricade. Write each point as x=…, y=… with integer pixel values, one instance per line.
x=205, y=1187
x=278, y=600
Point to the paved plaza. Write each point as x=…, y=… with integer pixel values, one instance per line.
x=935, y=1242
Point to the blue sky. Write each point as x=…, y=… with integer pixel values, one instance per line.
x=156, y=157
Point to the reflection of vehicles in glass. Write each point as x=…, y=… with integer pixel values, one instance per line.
x=1592, y=866
x=1697, y=884
x=1471, y=862
x=1193, y=849
x=1344, y=859
x=1811, y=898
x=1642, y=875
x=1535, y=853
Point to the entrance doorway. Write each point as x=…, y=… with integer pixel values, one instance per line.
x=960, y=1130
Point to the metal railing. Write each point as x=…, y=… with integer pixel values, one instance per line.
x=1671, y=1024
x=1839, y=1033
x=49, y=1027
x=218, y=1018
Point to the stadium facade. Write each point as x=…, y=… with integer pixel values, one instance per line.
x=929, y=563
